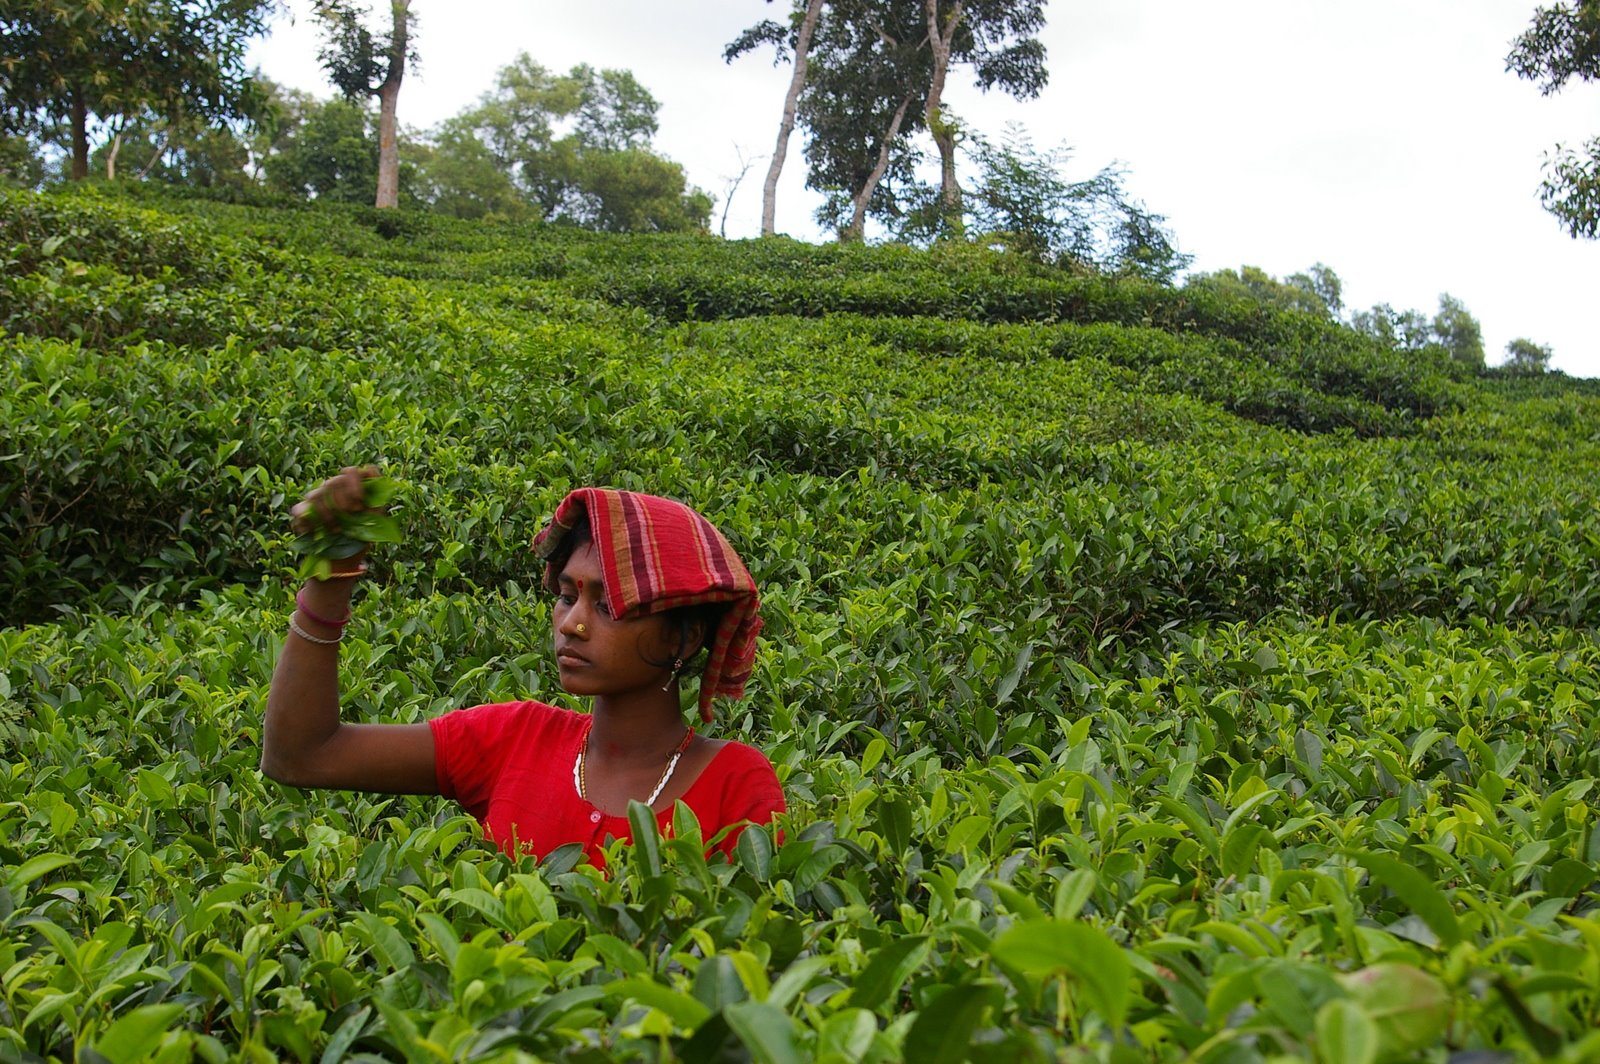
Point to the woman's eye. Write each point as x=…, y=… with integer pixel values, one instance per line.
x=603, y=608
x=567, y=600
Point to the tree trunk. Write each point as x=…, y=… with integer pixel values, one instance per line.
x=111, y=156
x=802, y=48
x=160, y=153
x=388, y=99
x=80, y=137
x=944, y=134
x=858, y=214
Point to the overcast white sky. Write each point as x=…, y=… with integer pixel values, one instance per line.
x=1381, y=137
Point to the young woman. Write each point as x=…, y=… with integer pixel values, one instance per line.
x=643, y=586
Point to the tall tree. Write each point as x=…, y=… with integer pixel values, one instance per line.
x=1022, y=198
x=364, y=64
x=1324, y=285
x=1404, y=330
x=861, y=106
x=1317, y=291
x=324, y=150
x=795, y=40
x=86, y=68
x=1563, y=43
x=1459, y=332
x=1525, y=356
x=998, y=39
x=191, y=154
x=574, y=147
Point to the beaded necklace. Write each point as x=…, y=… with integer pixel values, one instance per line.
x=579, y=781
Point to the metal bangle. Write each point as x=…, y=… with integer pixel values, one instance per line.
x=360, y=570
x=309, y=638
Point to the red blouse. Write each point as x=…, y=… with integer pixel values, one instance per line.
x=510, y=765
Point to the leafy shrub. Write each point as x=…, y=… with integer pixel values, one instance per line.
x=1146, y=674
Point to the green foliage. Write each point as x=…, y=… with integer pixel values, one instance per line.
x=1525, y=356
x=1022, y=201
x=1402, y=330
x=329, y=151
x=1562, y=43
x=1458, y=331
x=867, y=75
x=1453, y=329
x=20, y=164
x=1571, y=187
x=352, y=533
x=66, y=64
x=571, y=147
x=1153, y=673
x=356, y=59
x=178, y=153
x=1317, y=291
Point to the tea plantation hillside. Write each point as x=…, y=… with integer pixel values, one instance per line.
x=1153, y=676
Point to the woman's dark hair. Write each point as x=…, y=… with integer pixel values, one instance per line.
x=681, y=622
x=579, y=536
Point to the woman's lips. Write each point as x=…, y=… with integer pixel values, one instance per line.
x=568, y=657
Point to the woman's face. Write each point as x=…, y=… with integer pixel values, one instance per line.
x=596, y=653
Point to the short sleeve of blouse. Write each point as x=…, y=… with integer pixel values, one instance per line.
x=758, y=794
x=470, y=747
x=749, y=790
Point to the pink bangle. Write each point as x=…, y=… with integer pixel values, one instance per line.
x=300, y=601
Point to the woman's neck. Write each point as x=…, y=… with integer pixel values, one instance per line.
x=636, y=728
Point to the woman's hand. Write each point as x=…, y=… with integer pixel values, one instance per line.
x=341, y=517
x=345, y=492
x=303, y=741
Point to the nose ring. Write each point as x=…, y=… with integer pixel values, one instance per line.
x=583, y=629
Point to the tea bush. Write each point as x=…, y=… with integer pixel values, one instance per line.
x=1153, y=677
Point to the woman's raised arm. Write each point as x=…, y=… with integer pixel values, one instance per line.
x=303, y=742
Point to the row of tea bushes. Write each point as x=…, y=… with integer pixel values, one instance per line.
x=1169, y=856
x=1121, y=720
x=698, y=278
x=160, y=464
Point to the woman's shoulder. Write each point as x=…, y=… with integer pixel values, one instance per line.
x=744, y=782
x=524, y=717
x=731, y=758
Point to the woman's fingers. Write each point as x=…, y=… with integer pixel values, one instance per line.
x=352, y=482
x=345, y=492
x=322, y=503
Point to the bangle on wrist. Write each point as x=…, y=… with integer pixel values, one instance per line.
x=348, y=574
x=312, y=615
x=309, y=638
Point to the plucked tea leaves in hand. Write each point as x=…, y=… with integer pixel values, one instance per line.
x=353, y=532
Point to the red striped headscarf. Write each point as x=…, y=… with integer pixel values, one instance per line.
x=657, y=554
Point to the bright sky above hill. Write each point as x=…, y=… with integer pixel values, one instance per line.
x=1382, y=138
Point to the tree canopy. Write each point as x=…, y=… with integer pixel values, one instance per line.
x=1316, y=291
x=1458, y=331
x=1021, y=198
x=71, y=71
x=999, y=40
x=795, y=41
x=861, y=106
x=1525, y=356
x=1563, y=43
x=568, y=147
x=325, y=150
